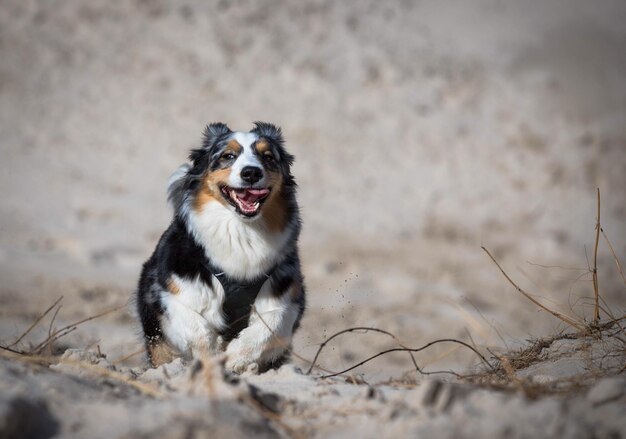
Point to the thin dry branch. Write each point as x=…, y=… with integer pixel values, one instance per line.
x=52, y=339
x=609, y=313
x=13, y=351
x=432, y=343
x=596, y=289
x=569, y=320
x=54, y=316
x=69, y=328
x=37, y=320
x=619, y=266
x=354, y=329
x=403, y=349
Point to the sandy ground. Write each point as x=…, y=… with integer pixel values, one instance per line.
x=198, y=400
x=422, y=130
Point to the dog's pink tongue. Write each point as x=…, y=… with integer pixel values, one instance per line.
x=252, y=195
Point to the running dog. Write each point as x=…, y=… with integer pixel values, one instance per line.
x=225, y=276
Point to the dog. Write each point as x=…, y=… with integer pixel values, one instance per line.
x=225, y=276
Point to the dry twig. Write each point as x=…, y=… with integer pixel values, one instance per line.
x=54, y=316
x=596, y=290
x=37, y=320
x=71, y=327
x=569, y=320
x=443, y=340
x=619, y=266
x=354, y=329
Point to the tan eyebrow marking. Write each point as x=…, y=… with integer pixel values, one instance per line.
x=262, y=146
x=233, y=146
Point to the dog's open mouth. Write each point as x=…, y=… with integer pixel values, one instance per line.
x=247, y=201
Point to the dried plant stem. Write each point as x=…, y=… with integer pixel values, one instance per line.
x=510, y=372
x=37, y=320
x=354, y=329
x=52, y=339
x=619, y=266
x=365, y=328
x=54, y=316
x=13, y=351
x=71, y=327
x=608, y=312
x=569, y=320
x=596, y=290
x=432, y=343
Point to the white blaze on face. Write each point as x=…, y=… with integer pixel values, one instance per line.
x=246, y=158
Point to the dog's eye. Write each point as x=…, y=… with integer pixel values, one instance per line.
x=269, y=158
x=228, y=156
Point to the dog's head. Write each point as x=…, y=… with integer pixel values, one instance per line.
x=246, y=172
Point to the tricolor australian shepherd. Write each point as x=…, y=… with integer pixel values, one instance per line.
x=225, y=276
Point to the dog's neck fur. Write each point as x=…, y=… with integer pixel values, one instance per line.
x=243, y=249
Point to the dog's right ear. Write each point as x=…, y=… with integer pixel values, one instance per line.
x=211, y=135
x=213, y=132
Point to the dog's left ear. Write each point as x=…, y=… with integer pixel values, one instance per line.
x=270, y=132
x=275, y=136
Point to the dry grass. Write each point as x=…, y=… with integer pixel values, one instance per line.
x=504, y=375
x=33, y=355
x=53, y=335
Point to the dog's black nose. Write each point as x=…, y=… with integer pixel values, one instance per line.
x=251, y=174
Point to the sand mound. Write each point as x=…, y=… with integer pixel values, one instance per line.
x=566, y=386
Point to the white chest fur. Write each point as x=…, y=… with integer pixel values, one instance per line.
x=242, y=248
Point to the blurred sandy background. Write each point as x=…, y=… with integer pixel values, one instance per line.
x=422, y=130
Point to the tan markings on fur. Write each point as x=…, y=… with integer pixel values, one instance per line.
x=172, y=287
x=262, y=146
x=233, y=146
x=275, y=208
x=210, y=188
x=161, y=353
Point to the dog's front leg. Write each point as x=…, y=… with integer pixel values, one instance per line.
x=268, y=334
x=187, y=330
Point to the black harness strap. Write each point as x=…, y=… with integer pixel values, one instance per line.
x=238, y=299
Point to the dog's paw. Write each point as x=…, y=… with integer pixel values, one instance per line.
x=242, y=365
x=252, y=369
